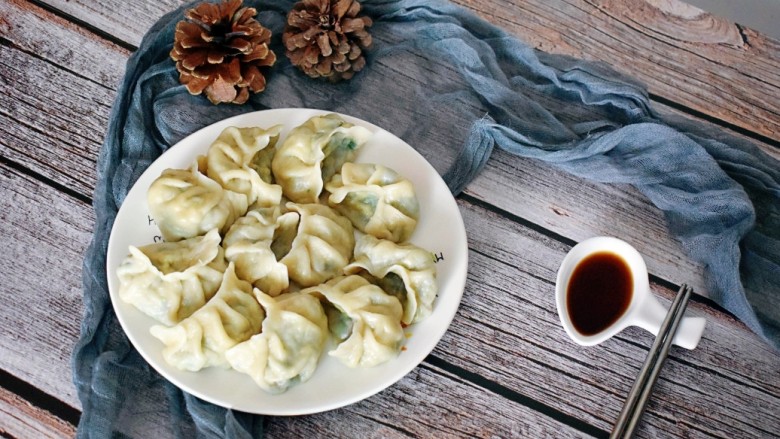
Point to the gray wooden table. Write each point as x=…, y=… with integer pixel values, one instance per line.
x=500, y=371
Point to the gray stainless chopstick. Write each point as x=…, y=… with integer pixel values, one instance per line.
x=648, y=375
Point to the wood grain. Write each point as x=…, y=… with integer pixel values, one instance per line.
x=712, y=66
x=56, y=134
x=20, y=419
x=683, y=55
x=40, y=270
x=125, y=21
x=57, y=41
x=429, y=402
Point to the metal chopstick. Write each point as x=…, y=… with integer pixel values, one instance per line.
x=648, y=375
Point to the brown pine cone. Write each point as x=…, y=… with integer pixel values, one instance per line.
x=220, y=49
x=326, y=38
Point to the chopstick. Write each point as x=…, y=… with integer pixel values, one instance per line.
x=648, y=375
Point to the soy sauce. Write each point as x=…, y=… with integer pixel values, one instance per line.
x=599, y=292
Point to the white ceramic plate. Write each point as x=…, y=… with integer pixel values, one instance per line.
x=333, y=385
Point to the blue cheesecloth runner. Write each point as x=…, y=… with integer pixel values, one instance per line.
x=456, y=86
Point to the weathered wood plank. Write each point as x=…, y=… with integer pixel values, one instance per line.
x=429, y=402
x=127, y=21
x=20, y=419
x=682, y=54
x=52, y=121
x=40, y=270
x=43, y=34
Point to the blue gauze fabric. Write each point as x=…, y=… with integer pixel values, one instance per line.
x=456, y=87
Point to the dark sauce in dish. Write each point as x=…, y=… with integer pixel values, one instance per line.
x=599, y=292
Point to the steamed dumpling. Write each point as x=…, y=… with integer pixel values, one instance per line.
x=322, y=245
x=403, y=270
x=312, y=153
x=186, y=203
x=230, y=162
x=168, y=281
x=366, y=320
x=376, y=199
x=248, y=245
x=289, y=347
x=230, y=317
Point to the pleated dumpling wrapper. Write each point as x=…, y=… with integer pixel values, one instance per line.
x=365, y=320
x=186, y=204
x=230, y=317
x=168, y=281
x=289, y=346
x=322, y=244
x=248, y=245
x=313, y=152
x=403, y=270
x=231, y=162
x=376, y=200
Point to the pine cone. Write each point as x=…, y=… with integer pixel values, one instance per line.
x=325, y=38
x=220, y=49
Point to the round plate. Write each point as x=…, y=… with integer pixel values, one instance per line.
x=333, y=385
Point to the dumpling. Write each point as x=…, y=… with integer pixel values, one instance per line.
x=289, y=347
x=403, y=270
x=230, y=159
x=186, y=203
x=376, y=199
x=248, y=245
x=313, y=152
x=366, y=320
x=322, y=245
x=230, y=317
x=168, y=281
